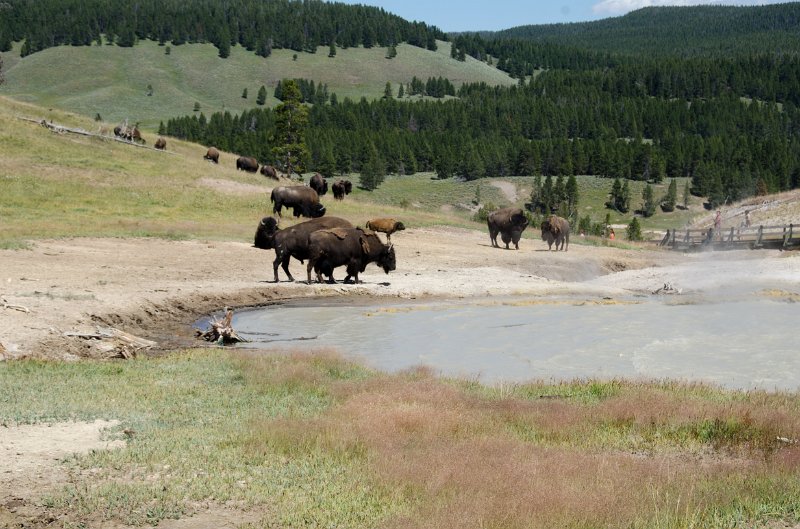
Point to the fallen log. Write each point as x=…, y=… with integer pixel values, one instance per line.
x=114, y=343
x=221, y=331
x=10, y=306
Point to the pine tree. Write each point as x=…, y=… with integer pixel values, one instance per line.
x=262, y=95
x=400, y=92
x=649, y=202
x=332, y=49
x=224, y=44
x=373, y=172
x=244, y=93
x=686, y=194
x=291, y=119
x=625, y=198
x=668, y=204
x=197, y=106
x=327, y=163
x=391, y=52
x=387, y=91
x=634, y=230
x=572, y=194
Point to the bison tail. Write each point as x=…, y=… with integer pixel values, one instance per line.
x=272, y=196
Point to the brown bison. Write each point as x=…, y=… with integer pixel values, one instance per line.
x=160, y=144
x=247, y=163
x=303, y=200
x=354, y=248
x=318, y=184
x=212, y=155
x=555, y=229
x=269, y=171
x=341, y=188
x=293, y=241
x=509, y=223
x=129, y=133
x=385, y=225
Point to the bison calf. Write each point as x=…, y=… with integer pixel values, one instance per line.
x=385, y=225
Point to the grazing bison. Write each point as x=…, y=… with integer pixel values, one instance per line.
x=303, y=200
x=269, y=171
x=293, y=241
x=247, y=163
x=341, y=188
x=212, y=155
x=509, y=223
x=555, y=229
x=385, y=225
x=160, y=144
x=318, y=184
x=129, y=133
x=354, y=248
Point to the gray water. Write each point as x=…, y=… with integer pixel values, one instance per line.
x=739, y=345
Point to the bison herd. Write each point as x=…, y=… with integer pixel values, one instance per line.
x=509, y=223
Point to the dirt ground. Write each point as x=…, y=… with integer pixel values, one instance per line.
x=155, y=289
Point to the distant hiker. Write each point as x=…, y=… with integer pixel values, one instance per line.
x=718, y=223
x=747, y=218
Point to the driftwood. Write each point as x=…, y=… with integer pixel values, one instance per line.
x=114, y=342
x=668, y=288
x=6, y=305
x=221, y=331
x=61, y=129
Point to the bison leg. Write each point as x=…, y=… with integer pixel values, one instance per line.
x=309, y=266
x=283, y=260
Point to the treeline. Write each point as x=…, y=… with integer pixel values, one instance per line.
x=554, y=126
x=678, y=31
x=257, y=25
x=770, y=77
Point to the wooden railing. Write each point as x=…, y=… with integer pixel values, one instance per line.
x=780, y=237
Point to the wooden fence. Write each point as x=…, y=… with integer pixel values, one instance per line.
x=754, y=237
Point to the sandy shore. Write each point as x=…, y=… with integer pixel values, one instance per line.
x=155, y=289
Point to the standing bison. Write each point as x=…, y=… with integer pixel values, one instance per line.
x=555, y=229
x=269, y=171
x=212, y=155
x=303, y=200
x=247, y=163
x=509, y=223
x=385, y=225
x=131, y=134
x=293, y=241
x=354, y=248
x=161, y=144
x=342, y=188
x=318, y=184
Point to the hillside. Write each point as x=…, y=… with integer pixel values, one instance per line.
x=693, y=30
x=113, y=81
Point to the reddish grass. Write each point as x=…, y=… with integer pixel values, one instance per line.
x=461, y=461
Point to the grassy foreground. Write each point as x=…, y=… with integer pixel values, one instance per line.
x=309, y=440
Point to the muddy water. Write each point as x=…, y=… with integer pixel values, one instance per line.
x=742, y=345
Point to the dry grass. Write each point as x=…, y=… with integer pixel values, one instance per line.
x=466, y=459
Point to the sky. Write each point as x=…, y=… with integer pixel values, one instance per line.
x=476, y=15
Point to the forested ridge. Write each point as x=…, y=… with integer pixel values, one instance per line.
x=677, y=31
x=258, y=25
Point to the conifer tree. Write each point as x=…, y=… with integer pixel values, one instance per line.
x=625, y=198
x=400, y=92
x=244, y=93
x=373, y=171
x=291, y=119
x=332, y=49
x=634, y=230
x=387, y=91
x=572, y=194
x=649, y=202
x=262, y=95
x=686, y=193
x=668, y=204
x=327, y=163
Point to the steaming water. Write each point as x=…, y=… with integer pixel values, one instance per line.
x=742, y=345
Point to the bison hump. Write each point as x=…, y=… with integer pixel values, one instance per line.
x=339, y=233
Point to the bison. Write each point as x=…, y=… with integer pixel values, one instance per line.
x=318, y=184
x=509, y=223
x=303, y=200
x=354, y=248
x=131, y=134
x=385, y=225
x=293, y=241
x=247, y=163
x=341, y=188
x=212, y=155
x=269, y=171
x=555, y=229
x=160, y=144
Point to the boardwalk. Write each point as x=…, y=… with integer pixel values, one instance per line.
x=755, y=237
